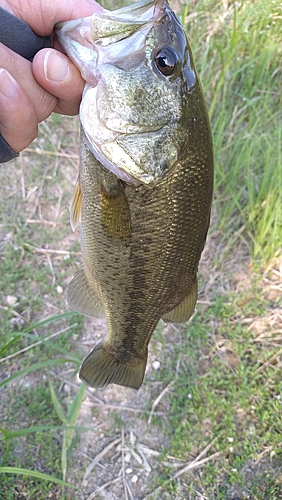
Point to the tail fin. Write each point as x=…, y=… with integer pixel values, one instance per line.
x=100, y=369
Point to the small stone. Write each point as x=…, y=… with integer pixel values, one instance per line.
x=11, y=300
x=156, y=365
x=25, y=383
x=134, y=478
x=59, y=289
x=16, y=322
x=127, y=457
x=132, y=438
x=128, y=470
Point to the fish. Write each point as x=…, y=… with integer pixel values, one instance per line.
x=144, y=193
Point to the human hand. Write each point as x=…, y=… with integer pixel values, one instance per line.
x=30, y=92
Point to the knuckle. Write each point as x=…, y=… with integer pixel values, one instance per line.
x=18, y=124
x=45, y=106
x=6, y=58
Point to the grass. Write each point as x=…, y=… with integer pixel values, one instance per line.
x=231, y=396
x=241, y=74
x=207, y=424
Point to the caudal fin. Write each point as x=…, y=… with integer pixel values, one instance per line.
x=100, y=369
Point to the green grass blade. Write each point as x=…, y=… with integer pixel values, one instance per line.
x=36, y=366
x=74, y=408
x=6, y=346
x=50, y=319
x=73, y=412
x=35, y=474
x=64, y=454
x=57, y=405
x=8, y=434
x=43, y=341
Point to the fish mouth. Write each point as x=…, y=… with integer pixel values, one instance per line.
x=117, y=35
x=108, y=27
x=103, y=37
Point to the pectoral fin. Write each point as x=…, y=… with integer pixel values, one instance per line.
x=83, y=297
x=115, y=213
x=75, y=206
x=100, y=369
x=185, y=309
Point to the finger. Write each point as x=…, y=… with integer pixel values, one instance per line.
x=59, y=76
x=43, y=102
x=18, y=120
x=54, y=12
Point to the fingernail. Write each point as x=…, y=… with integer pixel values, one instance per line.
x=56, y=67
x=8, y=85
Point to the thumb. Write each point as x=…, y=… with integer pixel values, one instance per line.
x=58, y=75
x=43, y=16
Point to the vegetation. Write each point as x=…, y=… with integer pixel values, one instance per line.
x=207, y=422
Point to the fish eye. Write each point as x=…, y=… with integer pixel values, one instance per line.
x=166, y=60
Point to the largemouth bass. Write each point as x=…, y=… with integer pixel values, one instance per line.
x=145, y=183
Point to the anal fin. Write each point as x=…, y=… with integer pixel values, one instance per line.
x=185, y=309
x=83, y=297
x=100, y=369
